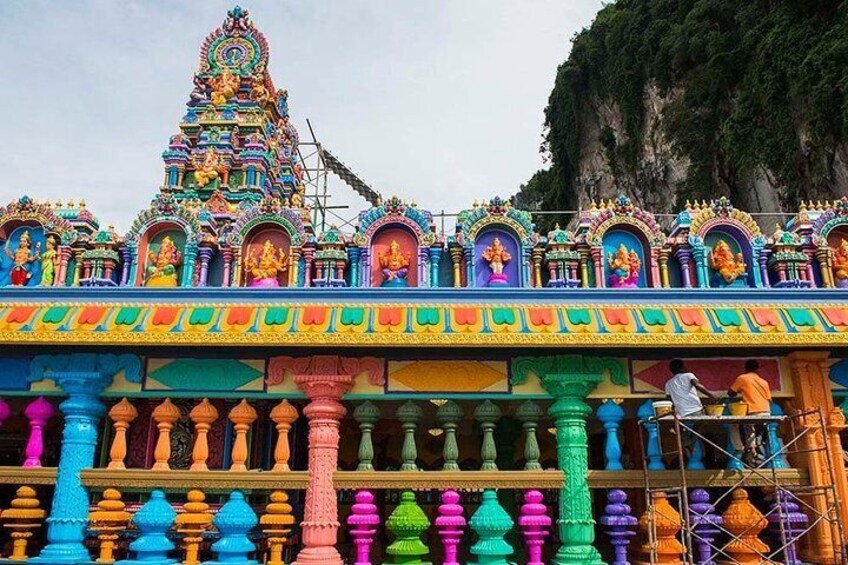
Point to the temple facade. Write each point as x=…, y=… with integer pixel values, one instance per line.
x=226, y=384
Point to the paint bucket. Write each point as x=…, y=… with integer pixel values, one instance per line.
x=714, y=409
x=662, y=408
x=738, y=408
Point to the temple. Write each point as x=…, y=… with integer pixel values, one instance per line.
x=228, y=382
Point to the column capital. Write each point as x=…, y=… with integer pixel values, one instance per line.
x=568, y=375
x=317, y=369
x=84, y=374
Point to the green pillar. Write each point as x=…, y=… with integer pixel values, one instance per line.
x=449, y=415
x=569, y=379
x=487, y=415
x=406, y=524
x=366, y=414
x=529, y=414
x=409, y=414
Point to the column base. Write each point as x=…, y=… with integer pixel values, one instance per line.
x=319, y=556
x=62, y=554
x=578, y=555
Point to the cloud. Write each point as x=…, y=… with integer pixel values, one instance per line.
x=437, y=101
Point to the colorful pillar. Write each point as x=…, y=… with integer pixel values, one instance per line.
x=611, y=414
x=569, y=379
x=811, y=382
x=324, y=379
x=83, y=377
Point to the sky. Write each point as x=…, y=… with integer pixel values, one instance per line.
x=441, y=102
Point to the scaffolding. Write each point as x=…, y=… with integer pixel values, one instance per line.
x=819, y=502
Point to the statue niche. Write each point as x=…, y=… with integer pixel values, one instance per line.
x=838, y=243
x=498, y=259
x=395, y=259
x=726, y=261
x=624, y=264
x=23, y=260
x=164, y=258
x=265, y=259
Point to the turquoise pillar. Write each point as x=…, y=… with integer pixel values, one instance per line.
x=491, y=523
x=83, y=377
x=652, y=447
x=611, y=414
x=775, y=443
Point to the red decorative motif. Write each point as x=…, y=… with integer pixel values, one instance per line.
x=333, y=365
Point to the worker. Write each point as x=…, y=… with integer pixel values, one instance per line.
x=683, y=388
x=756, y=393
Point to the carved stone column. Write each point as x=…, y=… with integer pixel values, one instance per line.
x=83, y=377
x=324, y=379
x=569, y=379
x=811, y=382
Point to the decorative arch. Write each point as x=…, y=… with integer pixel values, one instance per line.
x=395, y=215
x=626, y=244
x=164, y=214
x=718, y=235
x=830, y=230
x=476, y=231
x=50, y=239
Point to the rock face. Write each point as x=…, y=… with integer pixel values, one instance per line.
x=661, y=172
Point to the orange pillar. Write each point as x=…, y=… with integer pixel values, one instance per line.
x=811, y=382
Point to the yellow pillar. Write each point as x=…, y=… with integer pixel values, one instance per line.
x=811, y=382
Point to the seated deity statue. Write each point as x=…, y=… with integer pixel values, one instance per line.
x=48, y=263
x=162, y=266
x=265, y=269
x=624, y=266
x=224, y=87
x=22, y=259
x=395, y=265
x=722, y=260
x=209, y=169
x=840, y=264
x=497, y=256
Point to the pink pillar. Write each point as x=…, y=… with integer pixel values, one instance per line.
x=321, y=514
x=450, y=524
x=598, y=262
x=535, y=525
x=324, y=379
x=38, y=412
x=5, y=411
x=363, y=521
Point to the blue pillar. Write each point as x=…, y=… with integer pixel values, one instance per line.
x=611, y=414
x=435, y=260
x=774, y=441
x=234, y=521
x=154, y=520
x=696, y=459
x=83, y=377
x=652, y=449
x=734, y=461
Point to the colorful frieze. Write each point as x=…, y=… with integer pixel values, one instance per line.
x=424, y=324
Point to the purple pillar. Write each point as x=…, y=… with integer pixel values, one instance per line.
x=363, y=521
x=450, y=524
x=37, y=412
x=535, y=525
x=619, y=525
x=705, y=525
x=205, y=255
x=793, y=523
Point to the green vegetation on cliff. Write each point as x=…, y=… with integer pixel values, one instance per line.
x=751, y=85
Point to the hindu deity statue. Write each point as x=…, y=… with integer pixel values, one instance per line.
x=624, y=267
x=497, y=256
x=722, y=260
x=22, y=259
x=840, y=264
x=224, y=87
x=395, y=265
x=162, y=266
x=265, y=269
x=210, y=169
x=259, y=93
x=48, y=262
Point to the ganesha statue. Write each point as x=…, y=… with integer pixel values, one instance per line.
x=840, y=264
x=624, y=266
x=395, y=265
x=22, y=259
x=210, y=169
x=162, y=266
x=224, y=87
x=729, y=268
x=266, y=266
x=497, y=256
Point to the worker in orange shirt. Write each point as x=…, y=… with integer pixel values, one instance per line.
x=756, y=393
